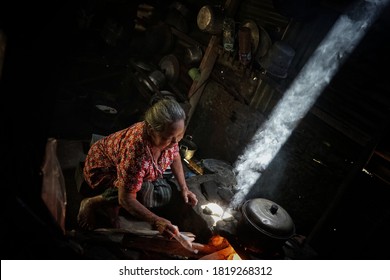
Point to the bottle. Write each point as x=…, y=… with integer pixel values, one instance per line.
x=244, y=44
x=228, y=32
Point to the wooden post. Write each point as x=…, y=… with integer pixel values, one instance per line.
x=205, y=68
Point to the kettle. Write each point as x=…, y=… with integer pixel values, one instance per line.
x=187, y=147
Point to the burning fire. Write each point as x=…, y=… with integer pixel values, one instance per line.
x=218, y=213
x=227, y=253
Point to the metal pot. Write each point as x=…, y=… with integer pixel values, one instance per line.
x=157, y=78
x=210, y=19
x=264, y=225
x=187, y=147
x=170, y=65
x=193, y=54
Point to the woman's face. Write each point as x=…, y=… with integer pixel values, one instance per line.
x=170, y=136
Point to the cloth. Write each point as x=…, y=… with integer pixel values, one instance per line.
x=121, y=159
x=155, y=194
x=152, y=194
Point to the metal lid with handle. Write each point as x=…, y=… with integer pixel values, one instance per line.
x=269, y=218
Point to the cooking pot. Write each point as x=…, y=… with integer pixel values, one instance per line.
x=187, y=147
x=170, y=66
x=210, y=19
x=264, y=225
x=193, y=54
x=156, y=80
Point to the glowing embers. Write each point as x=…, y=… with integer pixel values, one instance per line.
x=226, y=253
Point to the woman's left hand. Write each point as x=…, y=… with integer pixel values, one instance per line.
x=189, y=197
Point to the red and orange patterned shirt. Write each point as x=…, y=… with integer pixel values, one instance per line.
x=122, y=159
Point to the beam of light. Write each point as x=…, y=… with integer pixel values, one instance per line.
x=341, y=40
x=217, y=213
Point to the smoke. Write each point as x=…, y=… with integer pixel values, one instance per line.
x=342, y=39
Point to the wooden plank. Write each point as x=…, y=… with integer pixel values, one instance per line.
x=157, y=244
x=140, y=235
x=206, y=66
x=160, y=244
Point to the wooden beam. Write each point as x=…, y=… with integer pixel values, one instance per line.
x=205, y=68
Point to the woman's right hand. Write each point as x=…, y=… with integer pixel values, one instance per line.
x=165, y=227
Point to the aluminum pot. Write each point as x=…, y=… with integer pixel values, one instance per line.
x=170, y=65
x=193, y=54
x=210, y=19
x=157, y=78
x=264, y=225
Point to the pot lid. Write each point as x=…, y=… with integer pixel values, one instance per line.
x=170, y=65
x=269, y=218
x=205, y=17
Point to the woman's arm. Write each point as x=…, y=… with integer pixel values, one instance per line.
x=178, y=172
x=128, y=200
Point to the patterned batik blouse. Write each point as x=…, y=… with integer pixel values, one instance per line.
x=122, y=159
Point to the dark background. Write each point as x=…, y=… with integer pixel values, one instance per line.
x=42, y=37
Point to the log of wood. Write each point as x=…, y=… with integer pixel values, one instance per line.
x=170, y=247
x=159, y=244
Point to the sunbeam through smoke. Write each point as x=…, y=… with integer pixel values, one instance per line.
x=342, y=39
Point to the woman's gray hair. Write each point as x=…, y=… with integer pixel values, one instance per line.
x=164, y=112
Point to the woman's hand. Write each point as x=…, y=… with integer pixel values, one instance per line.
x=177, y=169
x=189, y=197
x=166, y=228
